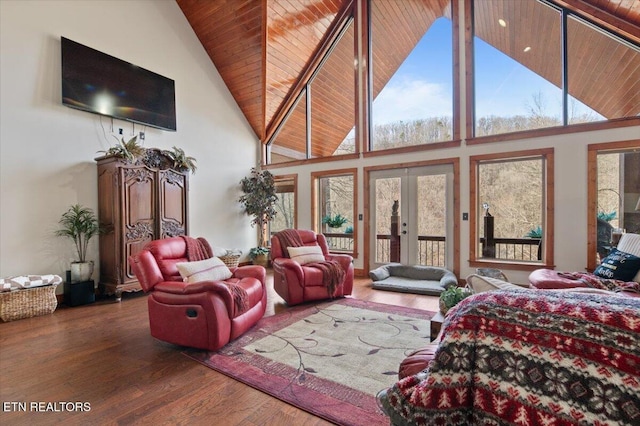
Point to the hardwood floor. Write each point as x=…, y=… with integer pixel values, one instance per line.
x=102, y=355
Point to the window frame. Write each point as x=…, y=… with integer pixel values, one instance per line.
x=548, y=210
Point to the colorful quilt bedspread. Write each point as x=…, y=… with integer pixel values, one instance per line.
x=529, y=357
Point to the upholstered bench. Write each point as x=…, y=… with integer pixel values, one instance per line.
x=430, y=280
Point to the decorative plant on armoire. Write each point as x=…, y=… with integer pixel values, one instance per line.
x=259, y=200
x=80, y=224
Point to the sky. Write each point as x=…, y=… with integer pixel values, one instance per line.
x=422, y=86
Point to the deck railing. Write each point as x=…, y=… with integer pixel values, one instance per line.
x=525, y=249
x=432, y=248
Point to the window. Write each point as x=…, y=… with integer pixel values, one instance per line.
x=334, y=194
x=321, y=123
x=603, y=73
x=518, y=77
x=532, y=72
x=613, y=196
x=332, y=128
x=412, y=78
x=286, y=217
x=511, y=203
x=290, y=142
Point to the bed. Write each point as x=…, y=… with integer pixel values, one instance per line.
x=529, y=357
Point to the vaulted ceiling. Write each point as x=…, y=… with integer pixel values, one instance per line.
x=261, y=48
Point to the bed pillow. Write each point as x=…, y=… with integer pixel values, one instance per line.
x=618, y=265
x=212, y=269
x=306, y=254
x=630, y=243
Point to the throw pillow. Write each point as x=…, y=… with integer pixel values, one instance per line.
x=212, y=269
x=306, y=254
x=618, y=265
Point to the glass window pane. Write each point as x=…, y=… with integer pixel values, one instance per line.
x=336, y=211
x=511, y=205
x=518, y=66
x=412, y=57
x=285, y=206
x=290, y=143
x=618, y=202
x=603, y=74
x=332, y=94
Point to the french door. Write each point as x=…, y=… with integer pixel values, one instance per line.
x=411, y=216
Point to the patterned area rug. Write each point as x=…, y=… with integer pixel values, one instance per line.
x=329, y=359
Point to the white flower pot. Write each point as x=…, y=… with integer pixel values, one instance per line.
x=81, y=271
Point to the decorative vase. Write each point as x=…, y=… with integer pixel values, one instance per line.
x=81, y=271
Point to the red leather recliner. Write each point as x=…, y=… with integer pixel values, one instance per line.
x=199, y=315
x=297, y=283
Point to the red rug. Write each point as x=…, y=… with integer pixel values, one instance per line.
x=329, y=359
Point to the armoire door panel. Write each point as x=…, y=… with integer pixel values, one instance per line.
x=139, y=195
x=173, y=212
x=132, y=248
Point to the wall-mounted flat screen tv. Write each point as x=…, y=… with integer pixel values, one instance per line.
x=102, y=84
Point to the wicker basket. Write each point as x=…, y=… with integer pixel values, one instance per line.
x=26, y=303
x=231, y=260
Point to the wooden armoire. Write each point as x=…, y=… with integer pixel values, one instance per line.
x=137, y=202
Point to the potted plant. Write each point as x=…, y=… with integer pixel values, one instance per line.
x=452, y=296
x=259, y=256
x=181, y=161
x=128, y=150
x=259, y=200
x=80, y=224
x=334, y=221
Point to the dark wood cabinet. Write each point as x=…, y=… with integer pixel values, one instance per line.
x=137, y=203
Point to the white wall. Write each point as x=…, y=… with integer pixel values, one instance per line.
x=47, y=150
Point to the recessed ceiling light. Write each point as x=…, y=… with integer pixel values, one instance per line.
x=502, y=22
x=528, y=48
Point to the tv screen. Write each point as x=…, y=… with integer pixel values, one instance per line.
x=99, y=83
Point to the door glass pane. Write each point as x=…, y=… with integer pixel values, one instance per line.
x=387, y=193
x=431, y=226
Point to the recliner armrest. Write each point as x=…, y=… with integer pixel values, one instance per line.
x=344, y=260
x=283, y=264
x=250, y=271
x=179, y=288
